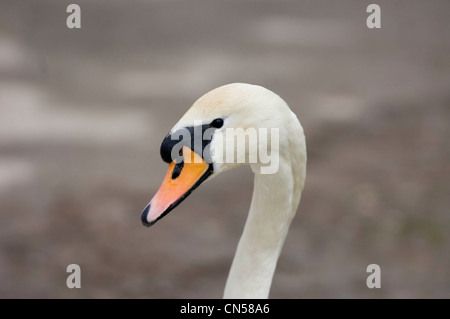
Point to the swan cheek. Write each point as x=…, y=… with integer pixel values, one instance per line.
x=181, y=179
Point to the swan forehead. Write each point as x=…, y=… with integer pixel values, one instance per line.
x=222, y=102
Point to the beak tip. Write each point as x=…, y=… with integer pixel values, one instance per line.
x=144, y=215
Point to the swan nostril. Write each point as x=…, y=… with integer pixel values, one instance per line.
x=177, y=170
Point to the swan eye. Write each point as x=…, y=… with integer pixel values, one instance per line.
x=217, y=123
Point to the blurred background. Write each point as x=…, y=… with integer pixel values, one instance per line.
x=83, y=113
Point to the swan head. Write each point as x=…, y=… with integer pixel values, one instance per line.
x=230, y=126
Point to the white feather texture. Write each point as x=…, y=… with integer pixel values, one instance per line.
x=275, y=196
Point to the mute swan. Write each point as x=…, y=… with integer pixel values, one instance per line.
x=275, y=196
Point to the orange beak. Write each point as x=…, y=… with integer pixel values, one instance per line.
x=181, y=179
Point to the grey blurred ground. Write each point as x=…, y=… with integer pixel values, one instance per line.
x=83, y=112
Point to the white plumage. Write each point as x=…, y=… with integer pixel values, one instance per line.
x=275, y=196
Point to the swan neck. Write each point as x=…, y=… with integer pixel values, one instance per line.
x=271, y=212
